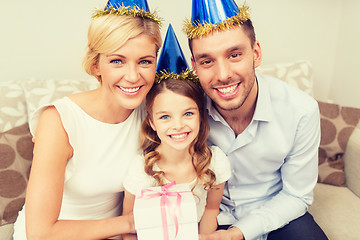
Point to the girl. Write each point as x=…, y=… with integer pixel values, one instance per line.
x=76, y=181
x=174, y=149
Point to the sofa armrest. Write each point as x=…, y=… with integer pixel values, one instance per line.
x=6, y=232
x=352, y=161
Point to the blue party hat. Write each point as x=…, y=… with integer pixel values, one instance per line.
x=172, y=62
x=210, y=15
x=143, y=5
x=136, y=8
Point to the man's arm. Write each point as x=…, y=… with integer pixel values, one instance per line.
x=299, y=176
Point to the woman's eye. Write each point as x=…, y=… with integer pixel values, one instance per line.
x=145, y=62
x=188, y=114
x=165, y=117
x=116, y=61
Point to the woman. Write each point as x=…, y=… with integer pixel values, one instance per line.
x=85, y=142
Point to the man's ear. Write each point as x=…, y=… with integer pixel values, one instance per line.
x=193, y=64
x=257, y=54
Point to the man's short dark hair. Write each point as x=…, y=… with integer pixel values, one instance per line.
x=248, y=28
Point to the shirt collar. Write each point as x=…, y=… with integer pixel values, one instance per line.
x=263, y=109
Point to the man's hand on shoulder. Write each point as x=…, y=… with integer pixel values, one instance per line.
x=231, y=234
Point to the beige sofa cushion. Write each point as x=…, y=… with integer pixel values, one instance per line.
x=352, y=162
x=6, y=232
x=336, y=210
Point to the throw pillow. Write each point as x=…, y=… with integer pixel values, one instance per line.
x=42, y=92
x=12, y=109
x=298, y=74
x=16, y=151
x=337, y=124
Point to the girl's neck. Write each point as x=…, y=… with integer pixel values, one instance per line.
x=177, y=165
x=173, y=156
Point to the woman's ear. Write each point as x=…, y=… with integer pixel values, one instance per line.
x=95, y=69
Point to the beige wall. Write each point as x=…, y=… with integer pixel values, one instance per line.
x=46, y=39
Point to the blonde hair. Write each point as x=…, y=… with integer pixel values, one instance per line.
x=108, y=33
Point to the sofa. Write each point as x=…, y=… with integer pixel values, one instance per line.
x=336, y=206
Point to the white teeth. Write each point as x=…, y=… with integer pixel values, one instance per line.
x=129, y=90
x=179, y=136
x=227, y=90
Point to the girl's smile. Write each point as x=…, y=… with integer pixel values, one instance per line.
x=175, y=119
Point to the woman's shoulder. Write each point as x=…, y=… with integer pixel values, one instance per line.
x=83, y=99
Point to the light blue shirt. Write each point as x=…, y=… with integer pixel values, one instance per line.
x=274, y=160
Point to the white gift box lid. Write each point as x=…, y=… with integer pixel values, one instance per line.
x=147, y=211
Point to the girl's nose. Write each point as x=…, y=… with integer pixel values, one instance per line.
x=178, y=124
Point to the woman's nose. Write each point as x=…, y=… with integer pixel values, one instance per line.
x=132, y=74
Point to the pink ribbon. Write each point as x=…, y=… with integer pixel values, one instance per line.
x=164, y=194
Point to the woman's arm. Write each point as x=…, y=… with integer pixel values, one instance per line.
x=208, y=222
x=128, y=206
x=52, y=150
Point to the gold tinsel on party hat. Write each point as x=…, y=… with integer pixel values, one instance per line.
x=187, y=75
x=199, y=29
x=128, y=11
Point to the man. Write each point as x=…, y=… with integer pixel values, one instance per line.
x=269, y=130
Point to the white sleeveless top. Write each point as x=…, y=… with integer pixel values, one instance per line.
x=93, y=187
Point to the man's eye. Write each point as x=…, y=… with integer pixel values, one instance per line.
x=206, y=62
x=234, y=55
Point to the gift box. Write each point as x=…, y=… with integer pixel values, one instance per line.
x=166, y=213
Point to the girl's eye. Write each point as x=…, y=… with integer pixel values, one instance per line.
x=165, y=117
x=188, y=114
x=116, y=61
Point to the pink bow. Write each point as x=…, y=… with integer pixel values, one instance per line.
x=164, y=194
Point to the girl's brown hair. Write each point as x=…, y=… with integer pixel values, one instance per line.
x=199, y=150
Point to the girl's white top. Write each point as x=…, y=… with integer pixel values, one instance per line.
x=137, y=179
